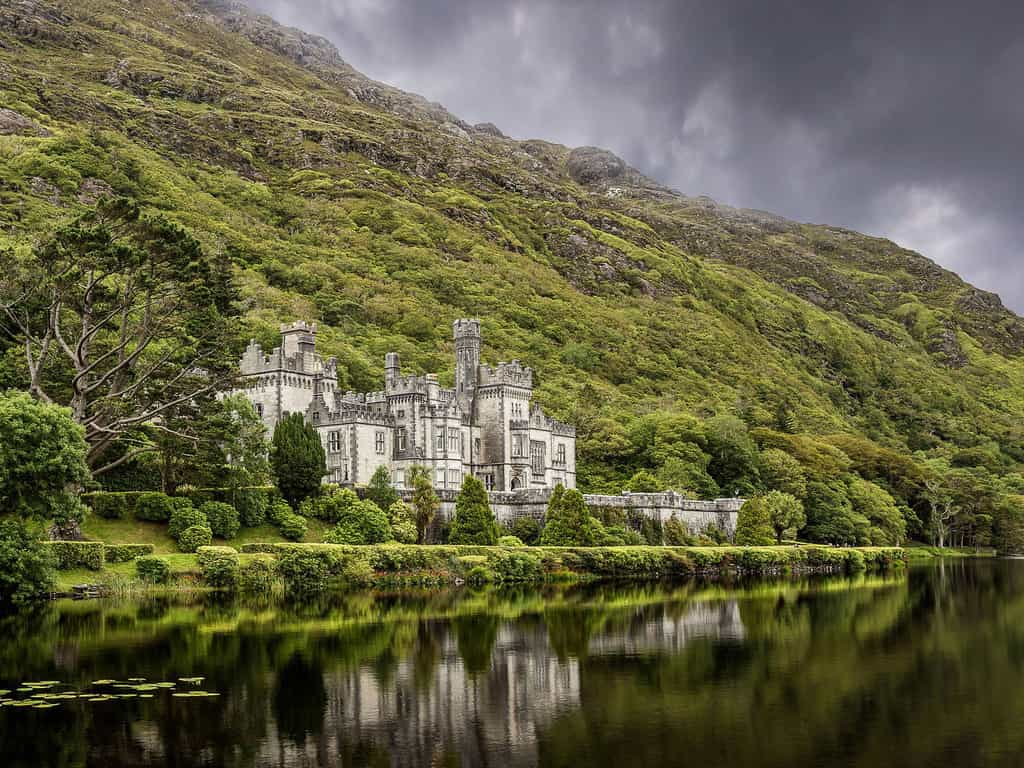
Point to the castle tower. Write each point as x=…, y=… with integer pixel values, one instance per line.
x=298, y=338
x=392, y=370
x=467, y=358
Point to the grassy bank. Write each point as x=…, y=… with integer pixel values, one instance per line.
x=314, y=567
x=923, y=552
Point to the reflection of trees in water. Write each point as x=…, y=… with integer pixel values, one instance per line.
x=300, y=699
x=774, y=675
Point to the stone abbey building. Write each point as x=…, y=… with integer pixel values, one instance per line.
x=487, y=425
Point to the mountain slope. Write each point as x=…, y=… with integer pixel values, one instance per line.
x=385, y=217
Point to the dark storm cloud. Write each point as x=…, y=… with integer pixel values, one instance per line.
x=903, y=119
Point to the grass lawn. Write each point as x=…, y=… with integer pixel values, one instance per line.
x=131, y=531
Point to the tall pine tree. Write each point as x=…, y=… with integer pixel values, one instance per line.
x=298, y=459
x=474, y=521
x=568, y=522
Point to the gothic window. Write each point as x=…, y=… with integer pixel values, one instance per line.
x=440, y=439
x=537, y=452
x=400, y=439
x=560, y=454
x=439, y=478
x=488, y=482
x=379, y=441
x=259, y=410
x=518, y=445
x=453, y=440
x=334, y=442
x=476, y=448
x=401, y=414
x=454, y=478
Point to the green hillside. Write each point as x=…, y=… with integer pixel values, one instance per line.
x=384, y=218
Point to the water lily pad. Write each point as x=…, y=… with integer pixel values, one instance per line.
x=165, y=685
x=101, y=698
x=193, y=680
x=45, y=705
x=103, y=682
x=24, y=703
x=145, y=695
x=136, y=679
x=3, y=692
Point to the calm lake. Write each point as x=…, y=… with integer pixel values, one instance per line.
x=923, y=669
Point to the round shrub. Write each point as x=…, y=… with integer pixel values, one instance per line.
x=479, y=574
x=510, y=541
x=195, y=537
x=26, y=565
x=293, y=527
x=219, y=566
x=303, y=572
x=362, y=523
x=333, y=504
x=153, y=570
x=154, y=507
x=223, y=518
x=526, y=529
x=185, y=516
x=256, y=575
x=278, y=510
x=112, y=506
x=252, y=504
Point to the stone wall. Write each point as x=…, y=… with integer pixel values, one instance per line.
x=695, y=514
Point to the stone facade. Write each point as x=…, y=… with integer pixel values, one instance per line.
x=487, y=425
x=696, y=514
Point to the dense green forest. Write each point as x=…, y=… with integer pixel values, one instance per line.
x=695, y=346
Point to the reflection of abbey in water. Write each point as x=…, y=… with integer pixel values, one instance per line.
x=487, y=425
x=487, y=690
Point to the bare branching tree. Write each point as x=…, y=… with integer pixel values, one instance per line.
x=123, y=319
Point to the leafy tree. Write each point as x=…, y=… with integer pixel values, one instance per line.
x=26, y=566
x=568, y=523
x=474, y=521
x=361, y=523
x=1008, y=525
x=122, y=317
x=887, y=525
x=781, y=472
x=687, y=472
x=424, y=501
x=754, y=523
x=643, y=482
x=941, y=500
x=403, y=522
x=786, y=513
x=42, y=461
x=298, y=458
x=333, y=503
x=830, y=515
x=734, y=455
x=379, y=490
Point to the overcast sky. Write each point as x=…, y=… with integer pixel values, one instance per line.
x=903, y=119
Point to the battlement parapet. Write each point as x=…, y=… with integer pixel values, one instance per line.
x=514, y=373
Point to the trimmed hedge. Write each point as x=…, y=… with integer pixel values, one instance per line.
x=185, y=517
x=123, y=553
x=293, y=527
x=154, y=507
x=77, y=554
x=194, y=537
x=153, y=570
x=219, y=566
x=257, y=574
x=510, y=564
x=252, y=502
x=110, y=505
x=222, y=517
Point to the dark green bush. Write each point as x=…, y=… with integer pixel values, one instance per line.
x=26, y=566
x=195, y=537
x=278, y=510
x=77, y=554
x=526, y=529
x=183, y=517
x=516, y=566
x=256, y=575
x=112, y=506
x=219, y=566
x=154, y=507
x=153, y=570
x=123, y=553
x=252, y=505
x=293, y=527
x=222, y=517
x=479, y=574
x=305, y=572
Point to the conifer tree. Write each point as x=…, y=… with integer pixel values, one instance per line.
x=568, y=523
x=474, y=521
x=298, y=458
x=754, y=524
